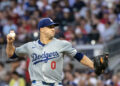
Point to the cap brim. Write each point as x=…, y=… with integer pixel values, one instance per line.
x=55, y=24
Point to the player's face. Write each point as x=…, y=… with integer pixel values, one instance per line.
x=48, y=31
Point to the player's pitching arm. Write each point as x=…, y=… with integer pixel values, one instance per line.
x=72, y=52
x=10, y=48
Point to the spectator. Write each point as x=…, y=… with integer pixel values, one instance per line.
x=40, y=4
x=108, y=34
x=1, y=35
x=68, y=18
x=100, y=26
x=69, y=67
x=81, y=31
x=16, y=80
x=94, y=9
x=59, y=34
x=69, y=79
x=9, y=26
x=59, y=14
x=78, y=76
x=68, y=34
x=105, y=18
x=4, y=4
x=19, y=10
x=31, y=6
x=92, y=81
x=6, y=80
x=3, y=72
x=94, y=35
x=115, y=80
x=49, y=11
x=21, y=68
x=100, y=83
x=79, y=4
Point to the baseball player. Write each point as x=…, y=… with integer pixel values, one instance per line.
x=46, y=55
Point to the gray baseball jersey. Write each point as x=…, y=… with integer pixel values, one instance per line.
x=46, y=61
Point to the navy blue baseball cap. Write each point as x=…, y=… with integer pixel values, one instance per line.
x=44, y=22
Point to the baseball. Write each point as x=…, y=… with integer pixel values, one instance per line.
x=12, y=34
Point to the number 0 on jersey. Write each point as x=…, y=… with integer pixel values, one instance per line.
x=53, y=65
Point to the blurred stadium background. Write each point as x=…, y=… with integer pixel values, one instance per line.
x=92, y=26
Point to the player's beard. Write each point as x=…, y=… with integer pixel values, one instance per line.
x=51, y=37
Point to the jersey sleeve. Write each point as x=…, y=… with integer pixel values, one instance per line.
x=69, y=50
x=22, y=50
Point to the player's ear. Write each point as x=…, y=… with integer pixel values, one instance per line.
x=41, y=29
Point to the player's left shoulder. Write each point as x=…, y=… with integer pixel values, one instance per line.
x=63, y=42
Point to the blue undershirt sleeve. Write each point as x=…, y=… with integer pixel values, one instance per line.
x=78, y=56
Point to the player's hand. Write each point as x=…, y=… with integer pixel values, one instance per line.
x=11, y=37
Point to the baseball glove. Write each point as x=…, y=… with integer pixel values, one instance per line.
x=100, y=63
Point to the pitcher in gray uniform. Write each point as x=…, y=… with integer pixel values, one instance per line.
x=46, y=55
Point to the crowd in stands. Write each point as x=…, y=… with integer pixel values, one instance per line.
x=81, y=21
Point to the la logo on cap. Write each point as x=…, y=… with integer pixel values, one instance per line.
x=51, y=20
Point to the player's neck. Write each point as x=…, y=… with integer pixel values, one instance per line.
x=44, y=40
